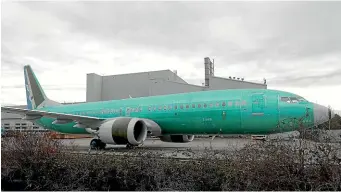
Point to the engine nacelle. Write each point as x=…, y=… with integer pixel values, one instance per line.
x=177, y=138
x=123, y=130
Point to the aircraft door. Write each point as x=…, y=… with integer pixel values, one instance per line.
x=223, y=114
x=261, y=115
x=258, y=104
x=230, y=116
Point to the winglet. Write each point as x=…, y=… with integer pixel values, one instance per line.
x=35, y=95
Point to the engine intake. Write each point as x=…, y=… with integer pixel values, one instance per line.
x=177, y=138
x=123, y=130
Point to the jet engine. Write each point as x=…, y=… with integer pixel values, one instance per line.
x=177, y=138
x=123, y=130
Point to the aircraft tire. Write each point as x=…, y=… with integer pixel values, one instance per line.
x=97, y=144
x=129, y=146
x=102, y=145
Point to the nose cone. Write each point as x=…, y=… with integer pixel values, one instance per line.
x=322, y=114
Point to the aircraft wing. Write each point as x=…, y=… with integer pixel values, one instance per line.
x=32, y=114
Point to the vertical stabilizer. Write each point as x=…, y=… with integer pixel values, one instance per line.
x=35, y=95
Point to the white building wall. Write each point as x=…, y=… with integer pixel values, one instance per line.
x=10, y=121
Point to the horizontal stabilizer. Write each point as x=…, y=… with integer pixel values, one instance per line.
x=62, y=116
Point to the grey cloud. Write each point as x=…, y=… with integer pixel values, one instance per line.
x=279, y=38
x=303, y=28
x=12, y=87
x=45, y=87
x=332, y=78
x=66, y=88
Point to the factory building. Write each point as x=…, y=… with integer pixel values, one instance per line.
x=151, y=83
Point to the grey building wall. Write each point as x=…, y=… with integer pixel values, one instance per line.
x=163, y=87
x=218, y=83
x=102, y=88
x=93, y=87
x=120, y=87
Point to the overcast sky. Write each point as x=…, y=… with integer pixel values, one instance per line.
x=296, y=46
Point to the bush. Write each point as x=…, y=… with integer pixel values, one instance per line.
x=35, y=162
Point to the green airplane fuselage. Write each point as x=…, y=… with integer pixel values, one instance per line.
x=237, y=111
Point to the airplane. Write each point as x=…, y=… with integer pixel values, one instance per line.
x=174, y=117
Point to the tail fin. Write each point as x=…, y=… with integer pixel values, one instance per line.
x=35, y=95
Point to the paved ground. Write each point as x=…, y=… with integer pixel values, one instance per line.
x=156, y=144
x=193, y=149
x=157, y=148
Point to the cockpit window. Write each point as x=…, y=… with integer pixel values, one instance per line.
x=301, y=99
x=285, y=99
x=293, y=99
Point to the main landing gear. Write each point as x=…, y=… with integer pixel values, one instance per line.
x=129, y=146
x=97, y=144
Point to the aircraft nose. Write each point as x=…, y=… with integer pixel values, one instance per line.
x=322, y=114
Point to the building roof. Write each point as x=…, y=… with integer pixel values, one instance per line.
x=238, y=80
x=145, y=72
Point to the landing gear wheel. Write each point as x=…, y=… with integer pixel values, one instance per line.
x=97, y=144
x=129, y=146
x=102, y=145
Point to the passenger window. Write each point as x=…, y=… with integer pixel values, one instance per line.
x=243, y=103
x=175, y=107
x=199, y=105
x=224, y=104
x=187, y=106
x=181, y=106
x=193, y=105
x=205, y=105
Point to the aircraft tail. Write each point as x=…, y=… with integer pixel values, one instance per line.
x=35, y=95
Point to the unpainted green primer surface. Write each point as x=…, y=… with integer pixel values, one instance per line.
x=237, y=111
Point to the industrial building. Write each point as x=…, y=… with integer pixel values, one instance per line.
x=151, y=83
